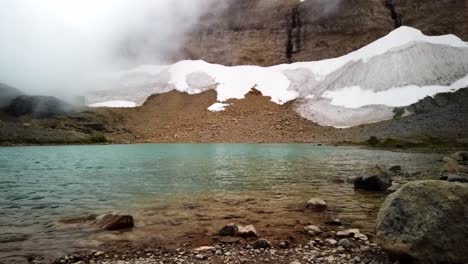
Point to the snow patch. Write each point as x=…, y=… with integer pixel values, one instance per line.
x=396, y=70
x=115, y=104
x=218, y=107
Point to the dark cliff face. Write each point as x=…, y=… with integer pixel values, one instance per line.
x=269, y=32
x=7, y=94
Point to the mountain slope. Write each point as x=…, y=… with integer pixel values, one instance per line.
x=361, y=87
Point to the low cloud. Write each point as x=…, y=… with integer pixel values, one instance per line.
x=51, y=46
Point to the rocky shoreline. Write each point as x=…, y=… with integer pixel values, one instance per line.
x=317, y=250
x=428, y=224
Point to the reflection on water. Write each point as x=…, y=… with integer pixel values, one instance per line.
x=175, y=190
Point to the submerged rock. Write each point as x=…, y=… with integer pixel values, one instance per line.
x=316, y=204
x=79, y=219
x=115, y=222
x=378, y=180
x=460, y=156
x=426, y=221
x=395, y=169
x=455, y=168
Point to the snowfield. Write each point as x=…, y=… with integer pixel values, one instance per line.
x=116, y=104
x=361, y=87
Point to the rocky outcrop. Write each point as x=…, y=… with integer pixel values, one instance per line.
x=7, y=94
x=426, y=221
x=38, y=106
x=266, y=32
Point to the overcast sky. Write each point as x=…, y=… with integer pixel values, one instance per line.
x=48, y=46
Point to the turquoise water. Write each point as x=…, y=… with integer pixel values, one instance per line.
x=158, y=182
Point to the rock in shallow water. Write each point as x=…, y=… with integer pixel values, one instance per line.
x=426, y=221
x=377, y=180
x=316, y=204
x=460, y=156
x=115, y=222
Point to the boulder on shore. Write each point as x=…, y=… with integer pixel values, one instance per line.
x=115, y=222
x=377, y=180
x=426, y=222
x=262, y=243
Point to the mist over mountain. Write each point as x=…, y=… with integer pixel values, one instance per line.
x=53, y=46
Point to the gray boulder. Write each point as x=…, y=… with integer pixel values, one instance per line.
x=426, y=222
x=377, y=180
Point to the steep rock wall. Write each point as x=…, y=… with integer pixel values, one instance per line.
x=269, y=32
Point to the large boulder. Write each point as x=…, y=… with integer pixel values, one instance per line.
x=426, y=222
x=377, y=180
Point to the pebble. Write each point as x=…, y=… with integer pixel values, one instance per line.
x=345, y=243
x=200, y=256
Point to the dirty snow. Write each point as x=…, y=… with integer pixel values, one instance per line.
x=396, y=70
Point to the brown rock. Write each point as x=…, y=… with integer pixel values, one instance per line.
x=229, y=230
x=262, y=243
x=115, y=222
x=316, y=204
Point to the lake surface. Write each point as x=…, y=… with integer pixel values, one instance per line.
x=178, y=191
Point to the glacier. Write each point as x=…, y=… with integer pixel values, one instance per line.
x=361, y=87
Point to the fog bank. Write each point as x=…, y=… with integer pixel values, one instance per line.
x=52, y=46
